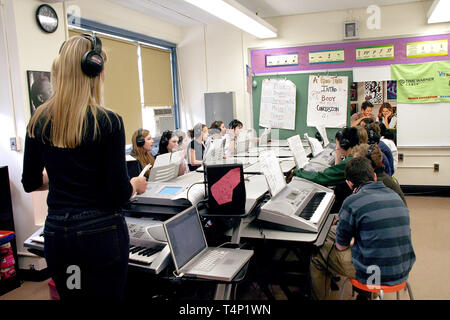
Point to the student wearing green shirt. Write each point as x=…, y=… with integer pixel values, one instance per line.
x=346, y=139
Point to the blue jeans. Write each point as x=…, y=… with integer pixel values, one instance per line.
x=87, y=253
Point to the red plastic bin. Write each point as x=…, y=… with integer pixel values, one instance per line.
x=53, y=292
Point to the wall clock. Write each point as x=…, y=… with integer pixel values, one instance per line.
x=46, y=18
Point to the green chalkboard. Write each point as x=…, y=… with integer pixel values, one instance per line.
x=301, y=80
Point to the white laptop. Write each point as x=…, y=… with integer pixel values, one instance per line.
x=191, y=254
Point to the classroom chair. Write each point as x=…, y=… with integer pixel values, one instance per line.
x=378, y=289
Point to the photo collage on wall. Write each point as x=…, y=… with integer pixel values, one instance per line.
x=373, y=91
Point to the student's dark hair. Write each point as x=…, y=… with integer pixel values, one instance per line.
x=216, y=124
x=366, y=104
x=359, y=171
x=383, y=129
x=389, y=135
x=348, y=137
x=164, y=141
x=367, y=121
x=373, y=133
x=235, y=124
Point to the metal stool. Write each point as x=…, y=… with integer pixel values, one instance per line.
x=379, y=289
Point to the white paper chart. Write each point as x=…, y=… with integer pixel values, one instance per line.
x=277, y=108
x=327, y=101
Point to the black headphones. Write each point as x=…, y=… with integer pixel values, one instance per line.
x=373, y=136
x=343, y=142
x=92, y=61
x=140, y=140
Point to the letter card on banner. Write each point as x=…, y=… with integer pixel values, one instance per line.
x=327, y=101
x=277, y=104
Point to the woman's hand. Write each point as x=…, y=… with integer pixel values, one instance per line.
x=139, y=184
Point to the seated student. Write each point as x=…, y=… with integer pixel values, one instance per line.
x=387, y=138
x=199, y=134
x=341, y=189
x=386, y=116
x=217, y=130
x=373, y=132
x=142, y=145
x=169, y=143
x=365, y=113
x=183, y=142
x=374, y=154
x=346, y=139
x=353, y=247
x=234, y=129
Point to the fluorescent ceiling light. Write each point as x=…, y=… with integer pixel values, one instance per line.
x=439, y=11
x=239, y=16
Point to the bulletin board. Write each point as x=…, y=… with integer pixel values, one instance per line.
x=301, y=80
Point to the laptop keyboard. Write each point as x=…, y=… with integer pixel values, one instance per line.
x=210, y=260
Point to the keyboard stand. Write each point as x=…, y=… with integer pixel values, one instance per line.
x=223, y=291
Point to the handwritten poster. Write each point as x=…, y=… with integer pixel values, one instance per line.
x=278, y=104
x=327, y=101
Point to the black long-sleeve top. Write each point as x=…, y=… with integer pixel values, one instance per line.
x=91, y=176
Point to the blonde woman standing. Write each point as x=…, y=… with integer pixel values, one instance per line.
x=75, y=148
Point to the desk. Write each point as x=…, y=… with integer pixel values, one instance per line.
x=254, y=152
x=286, y=164
x=273, y=248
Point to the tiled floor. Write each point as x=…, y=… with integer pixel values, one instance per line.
x=429, y=278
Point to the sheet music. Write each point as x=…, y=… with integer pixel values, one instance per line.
x=323, y=132
x=316, y=146
x=271, y=169
x=296, y=146
x=196, y=194
x=162, y=160
x=176, y=156
x=145, y=170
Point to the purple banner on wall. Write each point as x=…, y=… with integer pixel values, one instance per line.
x=258, y=59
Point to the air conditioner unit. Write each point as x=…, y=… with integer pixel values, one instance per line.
x=164, y=119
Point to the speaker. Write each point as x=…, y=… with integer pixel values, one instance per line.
x=225, y=189
x=92, y=61
x=140, y=140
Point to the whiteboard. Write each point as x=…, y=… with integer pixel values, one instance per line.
x=423, y=125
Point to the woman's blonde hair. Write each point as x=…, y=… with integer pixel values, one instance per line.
x=74, y=94
x=144, y=157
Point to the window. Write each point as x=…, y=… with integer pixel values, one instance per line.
x=140, y=82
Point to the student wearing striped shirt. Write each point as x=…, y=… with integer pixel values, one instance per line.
x=372, y=237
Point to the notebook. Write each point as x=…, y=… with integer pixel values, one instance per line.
x=191, y=254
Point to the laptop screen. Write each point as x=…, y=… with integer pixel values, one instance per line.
x=185, y=235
